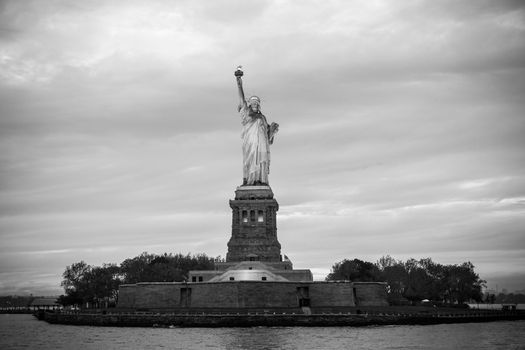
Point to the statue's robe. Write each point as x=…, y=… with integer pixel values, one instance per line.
x=255, y=146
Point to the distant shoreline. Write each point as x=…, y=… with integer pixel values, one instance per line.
x=19, y=311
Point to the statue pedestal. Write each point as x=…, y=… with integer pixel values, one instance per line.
x=253, y=192
x=254, y=226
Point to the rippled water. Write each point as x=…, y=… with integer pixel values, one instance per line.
x=25, y=332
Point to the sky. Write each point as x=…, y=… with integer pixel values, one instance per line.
x=401, y=131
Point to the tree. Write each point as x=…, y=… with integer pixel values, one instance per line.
x=72, y=297
x=396, y=278
x=135, y=269
x=462, y=283
x=425, y=279
x=393, y=272
x=89, y=284
x=75, y=284
x=419, y=285
x=84, y=283
x=74, y=276
x=163, y=268
x=436, y=276
x=354, y=270
x=386, y=262
x=102, y=284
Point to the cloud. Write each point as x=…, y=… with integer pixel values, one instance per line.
x=400, y=129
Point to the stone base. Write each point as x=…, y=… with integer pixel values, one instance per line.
x=254, y=226
x=234, y=295
x=253, y=192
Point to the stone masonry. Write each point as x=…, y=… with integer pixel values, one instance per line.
x=254, y=227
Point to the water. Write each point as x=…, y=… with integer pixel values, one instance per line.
x=25, y=332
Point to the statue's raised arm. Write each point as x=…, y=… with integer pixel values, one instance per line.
x=238, y=74
x=257, y=136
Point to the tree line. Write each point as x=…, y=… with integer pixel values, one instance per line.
x=97, y=286
x=407, y=281
x=415, y=280
x=504, y=298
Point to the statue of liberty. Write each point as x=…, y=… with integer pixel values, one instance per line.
x=257, y=136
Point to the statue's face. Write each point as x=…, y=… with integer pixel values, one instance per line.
x=254, y=105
